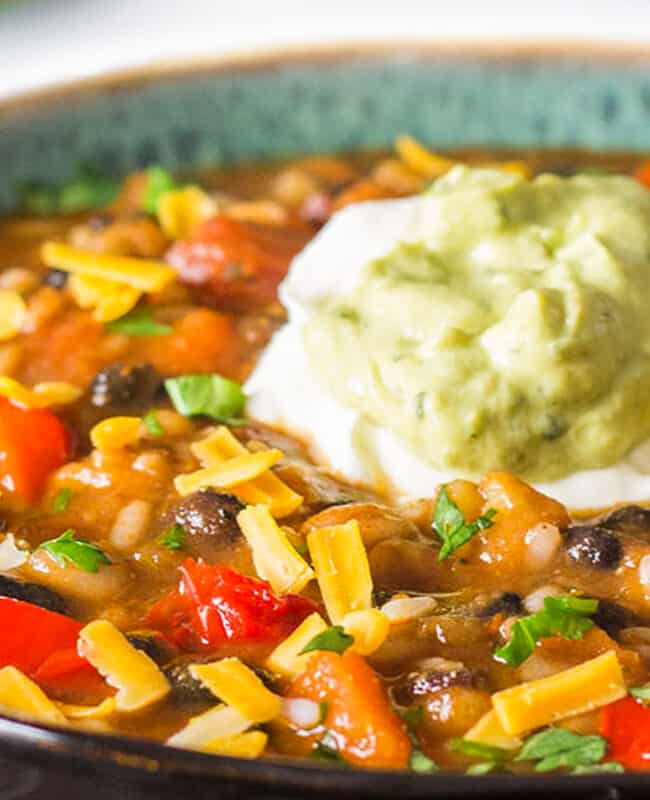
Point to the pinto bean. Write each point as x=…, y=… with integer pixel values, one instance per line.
x=377, y=523
x=440, y=675
x=207, y=513
x=122, y=389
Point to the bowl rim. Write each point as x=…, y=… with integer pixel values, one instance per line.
x=328, y=55
x=151, y=757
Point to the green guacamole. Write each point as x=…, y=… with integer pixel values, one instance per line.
x=512, y=332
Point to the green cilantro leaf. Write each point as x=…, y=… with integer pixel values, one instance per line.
x=68, y=549
x=449, y=524
x=138, y=323
x=174, y=538
x=478, y=750
x=421, y=763
x=412, y=716
x=152, y=424
x=323, y=708
x=61, y=500
x=326, y=750
x=595, y=769
x=334, y=639
x=159, y=181
x=564, y=616
x=555, y=748
x=207, y=395
x=484, y=768
x=641, y=692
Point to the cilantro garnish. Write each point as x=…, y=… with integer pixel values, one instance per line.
x=206, y=395
x=641, y=692
x=174, y=538
x=138, y=323
x=421, y=763
x=159, y=181
x=564, y=616
x=449, y=524
x=152, y=424
x=555, y=748
x=61, y=500
x=68, y=549
x=326, y=750
x=334, y=639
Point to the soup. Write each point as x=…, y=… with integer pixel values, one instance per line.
x=173, y=567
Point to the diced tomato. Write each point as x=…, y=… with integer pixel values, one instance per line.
x=366, y=730
x=216, y=605
x=238, y=265
x=42, y=644
x=642, y=174
x=33, y=443
x=626, y=725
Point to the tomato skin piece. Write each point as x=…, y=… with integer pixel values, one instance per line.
x=41, y=643
x=642, y=174
x=626, y=725
x=217, y=605
x=359, y=717
x=33, y=443
x=238, y=265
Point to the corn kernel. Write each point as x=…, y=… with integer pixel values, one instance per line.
x=286, y=659
x=239, y=687
x=13, y=313
x=41, y=396
x=181, y=211
x=115, y=433
x=244, y=745
x=368, y=627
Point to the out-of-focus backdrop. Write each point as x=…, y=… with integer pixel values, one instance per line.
x=46, y=41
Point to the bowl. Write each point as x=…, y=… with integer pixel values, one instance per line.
x=278, y=104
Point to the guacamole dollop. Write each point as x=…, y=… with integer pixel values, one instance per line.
x=509, y=329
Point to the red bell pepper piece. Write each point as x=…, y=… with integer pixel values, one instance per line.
x=642, y=174
x=626, y=725
x=41, y=643
x=238, y=265
x=214, y=605
x=33, y=443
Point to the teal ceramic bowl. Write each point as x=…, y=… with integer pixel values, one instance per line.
x=214, y=114
x=283, y=104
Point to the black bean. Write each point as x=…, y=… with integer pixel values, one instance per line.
x=593, y=546
x=630, y=519
x=55, y=278
x=419, y=684
x=612, y=618
x=153, y=644
x=32, y=593
x=207, y=513
x=185, y=687
x=125, y=388
x=507, y=603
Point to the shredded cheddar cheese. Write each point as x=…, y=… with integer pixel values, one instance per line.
x=137, y=678
x=13, y=313
x=243, y=745
x=138, y=273
x=239, y=687
x=22, y=697
x=276, y=561
x=216, y=724
x=286, y=659
x=181, y=211
x=488, y=730
x=109, y=299
x=115, y=433
x=574, y=691
x=368, y=627
x=342, y=570
x=230, y=474
x=420, y=159
x=103, y=709
x=41, y=396
x=266, y=489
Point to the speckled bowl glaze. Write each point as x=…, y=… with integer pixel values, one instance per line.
x=283, y=104
x=274, y=105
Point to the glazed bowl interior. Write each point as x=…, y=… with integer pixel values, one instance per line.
x=281, y=105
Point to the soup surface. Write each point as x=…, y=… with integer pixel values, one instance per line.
x=172, y=567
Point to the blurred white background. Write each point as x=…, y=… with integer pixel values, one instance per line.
x=45, y=41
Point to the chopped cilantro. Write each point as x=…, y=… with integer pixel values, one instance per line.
x=334, y=639
x=152, y=424
x=449, y=524
x=68, y=549
x=206, y=395
x=555, y=748
x=174, y=538
x=478, y=750
x=421, y=763
x=595, y=769
x=61, y=500
x=159, y=181
x=138, y=323
x=484, y=768
x=326, y=750
x=641, y=692
x=564, y=616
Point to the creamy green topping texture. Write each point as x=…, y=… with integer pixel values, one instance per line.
x=512, y=332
